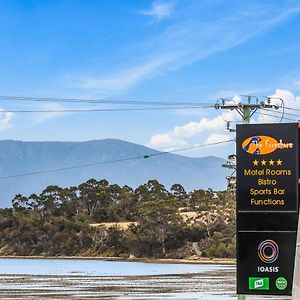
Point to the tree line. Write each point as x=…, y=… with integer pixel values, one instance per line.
x=58, y=222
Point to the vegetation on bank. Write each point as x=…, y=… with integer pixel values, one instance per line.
x=165, y=223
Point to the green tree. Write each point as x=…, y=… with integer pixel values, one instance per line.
x=159, y=220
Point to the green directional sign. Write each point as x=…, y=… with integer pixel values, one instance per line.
x=259, y=283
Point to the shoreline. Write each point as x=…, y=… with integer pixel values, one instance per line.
x=198, y=260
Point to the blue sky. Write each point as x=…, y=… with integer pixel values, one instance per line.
x=146, y=50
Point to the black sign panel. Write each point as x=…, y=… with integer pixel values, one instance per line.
x=267, y=221
x=265, y=259
x=267, y=171
x=267, y=207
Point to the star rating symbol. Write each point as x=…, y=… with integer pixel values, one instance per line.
x=264, y=162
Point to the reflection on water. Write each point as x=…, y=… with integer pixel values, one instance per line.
x=96, y=279
x=99, y=267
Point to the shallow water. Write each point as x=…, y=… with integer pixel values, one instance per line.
x=99, y=267
x=97, y=279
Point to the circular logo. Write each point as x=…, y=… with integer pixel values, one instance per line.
x=281, y=283
x=268, y=251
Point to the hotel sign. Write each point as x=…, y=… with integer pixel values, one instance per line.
x=267, y=207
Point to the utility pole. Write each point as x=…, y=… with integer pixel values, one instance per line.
x=230, y=164
x=296, y=278
x=231, y=179
x=246, y=111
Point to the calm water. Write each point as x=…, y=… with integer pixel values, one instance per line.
x=97, y=279
x=99, y=267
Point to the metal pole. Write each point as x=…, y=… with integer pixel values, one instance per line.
x=246, y=120
x=246, y=115
x=296, y=280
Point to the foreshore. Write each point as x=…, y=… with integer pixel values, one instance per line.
x=198, y=260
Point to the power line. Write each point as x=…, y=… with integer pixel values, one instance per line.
x=146, y=156
x=292, y=108
x=97, y=101
x=288, y=114
x=270, y=115
x=100, y=109
x=109, y=101
x=279, y=117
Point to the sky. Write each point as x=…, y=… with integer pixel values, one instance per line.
x=187, y=51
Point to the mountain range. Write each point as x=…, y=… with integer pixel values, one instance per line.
x=18, y=157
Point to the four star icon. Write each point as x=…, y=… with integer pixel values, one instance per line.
x=264, y=162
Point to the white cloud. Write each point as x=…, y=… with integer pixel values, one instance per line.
x=166, y=141
x=5, y=120
x=205, y=130
x=289, y=101
x=283, y=16
x=192, y=129
x=217, y=137
x=188, y=39
x=119, y=81
x=45, y=116
x=159, y=10
x=211, y=130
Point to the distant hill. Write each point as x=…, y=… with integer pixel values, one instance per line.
x=19, y=157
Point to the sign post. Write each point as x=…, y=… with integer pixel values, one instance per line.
x=267, y=207
x=296, y=280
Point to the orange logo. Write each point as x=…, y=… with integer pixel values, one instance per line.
x=263, y=144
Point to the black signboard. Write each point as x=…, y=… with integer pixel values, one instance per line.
x=267, y=170
x=266, y=256
x=267, y=207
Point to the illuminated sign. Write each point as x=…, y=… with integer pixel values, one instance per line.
x=264, y=247
x=267, y=207
x=261, y=144
x=267, y=179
